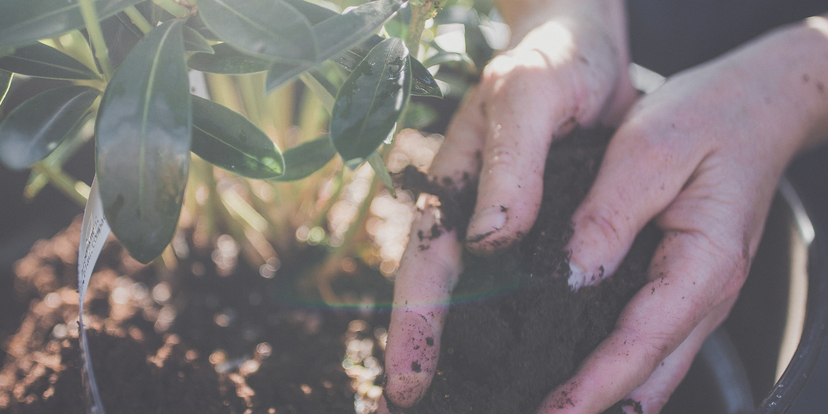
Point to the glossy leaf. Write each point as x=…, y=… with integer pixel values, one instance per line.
x=143, y=142
x=120, y=35
x=195, y=23
x=313, y=12
x=35, y=128
x=45, y=62
x=228, y=140
x=195, y=42
x=370, y=101
x=25, y=22
x=227, y=60
x=353, y=56
x=307, y=158
x=338, y=33
x=381, y=170
x=446, y=57
x=422, y=83
x=272, y=28
x=5, y=83
x=282, y=72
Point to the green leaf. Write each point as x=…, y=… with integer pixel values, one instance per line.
x=339, y=33
x=24, y=22
x=282, y=72
x=423, y=84
x=370, y=101
x=35, y=128
x=336, y=35
x=446, y=57
x=228, y=140
x=307, y=158
x=353, y=56
x=272, y=28
x=45, y=62
x=195, y=42
x=227, y=60
x=313, y=12
x=195, y=23
x=5, y=83
x=143, y=142
x=378, y=165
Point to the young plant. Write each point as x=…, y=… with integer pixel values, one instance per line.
x=132, y=68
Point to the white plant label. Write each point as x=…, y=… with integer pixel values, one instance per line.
x=94, y=233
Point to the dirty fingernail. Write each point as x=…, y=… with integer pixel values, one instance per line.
x=411, y=357
x=577, y=277
x=485, y=222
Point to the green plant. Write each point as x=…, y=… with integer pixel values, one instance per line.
x=131, y=69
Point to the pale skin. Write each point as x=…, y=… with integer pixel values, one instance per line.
x=700, y=157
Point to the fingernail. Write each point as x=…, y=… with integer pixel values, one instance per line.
x=485, y=222
x=411, y=356
x=577, y=277
x=580, y=277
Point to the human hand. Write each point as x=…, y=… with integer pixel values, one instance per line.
x=567, y=67
x=701, y=157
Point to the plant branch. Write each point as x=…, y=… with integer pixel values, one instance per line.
x=93, y=27
x=138, y=19
x=421, y=11
x=173, y=8
x=74, y=189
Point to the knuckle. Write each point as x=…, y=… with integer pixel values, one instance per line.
x=500, y=155
x=608, y=225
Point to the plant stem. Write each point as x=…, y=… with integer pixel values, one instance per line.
x=93, y=27
x=173, y=8
x=421, y=11
x=78, y=48
x=138, y=19
x=66, y=184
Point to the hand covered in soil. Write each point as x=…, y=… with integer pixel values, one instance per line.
x=567, y=65
x=701, y=157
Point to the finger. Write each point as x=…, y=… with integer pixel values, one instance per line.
x=690, y=276
x=523, y=111
x=429, y=267
x=654, y=393
x=427, y=275
x=639, y=177
x=458, y=160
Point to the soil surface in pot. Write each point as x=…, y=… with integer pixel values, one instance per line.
x=515, y=329
x=209, y=335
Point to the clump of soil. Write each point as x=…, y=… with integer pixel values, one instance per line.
x=515, y=329
x=189, y=339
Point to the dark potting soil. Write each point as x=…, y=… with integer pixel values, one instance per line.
x=188, y=339
x=515, y=329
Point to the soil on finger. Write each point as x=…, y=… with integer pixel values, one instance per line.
x=515, y=330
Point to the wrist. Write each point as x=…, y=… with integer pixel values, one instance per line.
x=524, y=15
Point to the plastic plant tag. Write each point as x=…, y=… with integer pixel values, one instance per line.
x=94, y=233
